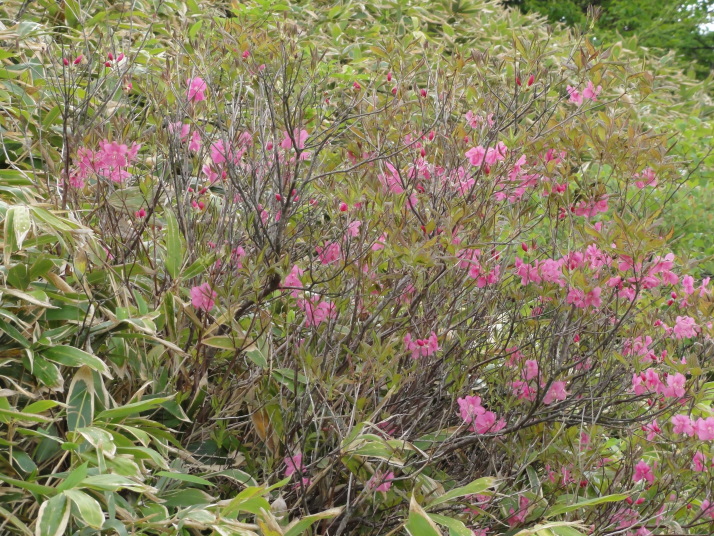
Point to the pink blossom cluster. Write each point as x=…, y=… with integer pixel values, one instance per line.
x=182, y=130
x=470, y=259
x=110, y=162
x=646, y=178
x=703, y=428
x=589, y=93
x=316, y=310
x=475, y=121
x=196, y=91
x=293, y=280
x=380, y=481
x=203, y=297
x=591, y=207
x=516, y=517
x=650, y=382
x=481, y=420
x=643, y=471
x=331, y=253
x=421, y=347
x=479, y=155
x=297, y=142
x=294, y=465
x=640, y=347
x=581, y=299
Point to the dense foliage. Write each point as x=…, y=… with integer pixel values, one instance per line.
x=281, y=268
x=681, y=25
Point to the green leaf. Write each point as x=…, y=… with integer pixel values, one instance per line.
x=456, y=527
x=198, y=267
x=74, y=478
x=48, y=374
x=74, y=357
x=566, y=531
x=419, y=523
x=10, y=331
x=132, y=409
x=89, y=509
x=222, y=342
x=13, y=520
x=477, y=486
x=72, y=13
x=30, y=486
x=245, y=497
x=299, y=527
x=174, y=246
x=14, y=415
x=53, y=516
x=186, y=478
x=41, y=406
x=80, y=400
x=113, y=483
x=547, y=529
x=35, y=298
x=185, y=497
x=195, y=28
x=558, y=509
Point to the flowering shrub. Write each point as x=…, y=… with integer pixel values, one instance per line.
x=344, y=268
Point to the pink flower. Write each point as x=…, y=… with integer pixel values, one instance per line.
x=391, y=181
x=705, y=428
x=591, y=92
x=109, y=161
x=685, y=327
x=518, y=517
x=592, y=207
x=300, y=137
x=486, y=422
x=293, y=464
x=237, y=255
x=682, y=425
x=421, y=347
x=531, y=369
x=581, y=300
x=203, y=297
x=472, y=119
x=293, y=280
x=316, y=311
x=652, y=430
x=643, y=472
x=353, y=228
x=647, y=178
x=638, y=385
x=707, y=508
x=496, y=154
x=699, y=461
x=575, y=96
x=330, y=253
x=220, y=153
x=195, y=143
x=470, y=407
x=140, y=214
x=476, y=155
x=380, y=482
x=481, y=421
x=523, y=391
x=196, y=89
x=675, y=386
x=379, y=244
x=556, y=392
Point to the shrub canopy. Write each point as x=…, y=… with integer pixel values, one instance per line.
x=273, y=268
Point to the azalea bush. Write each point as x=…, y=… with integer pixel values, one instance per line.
x=264, y=277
